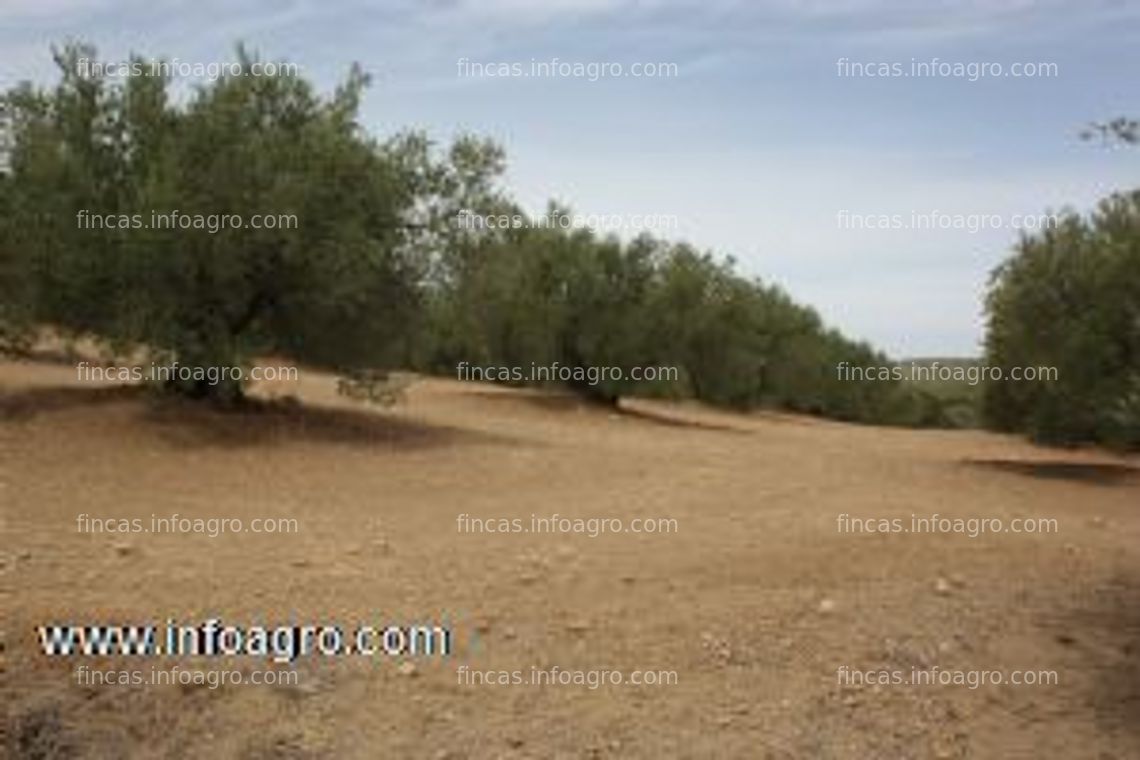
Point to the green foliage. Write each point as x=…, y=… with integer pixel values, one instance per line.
x=382, y=267
x=529, y=295
x=332, y=285
x=1070, y=298
x=15, y=319
x=954, y=401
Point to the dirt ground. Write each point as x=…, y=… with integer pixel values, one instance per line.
x=755, y=601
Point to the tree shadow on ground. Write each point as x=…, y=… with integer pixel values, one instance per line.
x=254, y=422
x=23, y=405
x=555, y=401
x=1097, y=473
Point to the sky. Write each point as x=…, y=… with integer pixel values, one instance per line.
x=764, y=143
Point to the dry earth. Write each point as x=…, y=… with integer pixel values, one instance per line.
x=754, y=602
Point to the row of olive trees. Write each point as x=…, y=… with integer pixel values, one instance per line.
x=375, y=272
x=542, y=295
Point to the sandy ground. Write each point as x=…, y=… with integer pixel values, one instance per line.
x=754, y=602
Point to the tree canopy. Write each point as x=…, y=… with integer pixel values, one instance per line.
x=367, y=265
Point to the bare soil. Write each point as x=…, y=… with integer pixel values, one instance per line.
x=755, y=601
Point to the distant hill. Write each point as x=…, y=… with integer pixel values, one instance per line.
x=945, y=361
x=959, y=401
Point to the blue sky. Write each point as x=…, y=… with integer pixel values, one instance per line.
x=755, y=146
